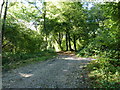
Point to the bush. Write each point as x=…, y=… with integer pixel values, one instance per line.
x=9, y=59
x=105, y=72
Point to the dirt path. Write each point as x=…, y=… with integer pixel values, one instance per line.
x=64, y=71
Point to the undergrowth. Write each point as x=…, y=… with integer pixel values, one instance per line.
x=12, y=61
x=104, y=73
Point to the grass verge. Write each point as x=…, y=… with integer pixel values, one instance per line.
x=12, y=61
x=104, y=73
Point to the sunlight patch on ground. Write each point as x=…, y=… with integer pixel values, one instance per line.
x=65, y=70
x=73, y=58
x=93, y=59
x=50, y=64
x=81, y=66
x=78, y=58
x=69, y=58
x=25, y=75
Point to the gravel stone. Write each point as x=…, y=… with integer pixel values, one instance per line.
x=63, y=71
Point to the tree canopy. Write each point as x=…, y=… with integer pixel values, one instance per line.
x=29, y=27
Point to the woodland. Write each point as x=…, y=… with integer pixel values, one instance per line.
x=38, y=30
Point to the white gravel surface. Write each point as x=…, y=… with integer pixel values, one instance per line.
x=63, y=71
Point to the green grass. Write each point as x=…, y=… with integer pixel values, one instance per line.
x=12, y=61
x=104, y=73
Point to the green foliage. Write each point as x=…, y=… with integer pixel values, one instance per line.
x=104, y=73
x=103, y=43
x=103, y=38
x=32, y=28
x=10, y=60
x=17, y=32
x=30, y=38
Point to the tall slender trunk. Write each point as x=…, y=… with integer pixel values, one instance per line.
x=66, y=41
x=2, y=8
x=45, y=25
x=60, y=40
x=4, y=20
x=1, y=26
x=118, y=36
x=74, y=43
x=69, y=41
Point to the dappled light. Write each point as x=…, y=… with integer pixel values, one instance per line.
x=69, y=58
x=56, y=37
x=65, y=70
x=76, y=58
x=25, y=75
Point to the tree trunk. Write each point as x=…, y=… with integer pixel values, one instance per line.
x=69, y=41
x=1, y=9
x=60, y=40
x=74, y=43
x=45, y=25
x=118, y=36
x=4, y=20
x=66, y=41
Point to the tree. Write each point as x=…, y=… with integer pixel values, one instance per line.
x=4, y=18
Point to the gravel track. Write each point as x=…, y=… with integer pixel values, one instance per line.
x=64, y=71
